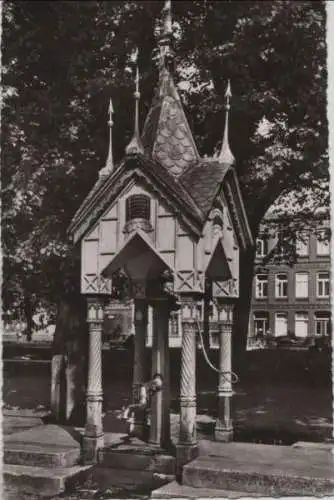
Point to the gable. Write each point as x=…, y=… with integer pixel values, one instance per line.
x=154, y=178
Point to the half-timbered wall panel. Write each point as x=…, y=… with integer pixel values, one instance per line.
x=169, y=258
x=200, y=257
x=163, y=211
x=165, y=233
x=90, y=256
x=184, y=253
x=228, y=234
x=207, y=241
x=111, y=213
x=108, y=236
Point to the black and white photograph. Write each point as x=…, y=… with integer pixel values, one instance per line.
x=166, y=249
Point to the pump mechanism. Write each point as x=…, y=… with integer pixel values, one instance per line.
x=146, y=391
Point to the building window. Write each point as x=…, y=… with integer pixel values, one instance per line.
x=323, y=284
x=261, y=286
x=137, y=207
x=322, y=323
x=301, y=285
x=281, y=285
x=261, y=247
x=261, y=324
x=322, y=243
x=281, y=324
x=302, y=244
x=301, y=324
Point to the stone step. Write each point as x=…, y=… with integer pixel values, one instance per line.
x=106, y=477
x=43, y=455
x=137, y=460
x=265, y=469
x=40, y=481
x=176, y=490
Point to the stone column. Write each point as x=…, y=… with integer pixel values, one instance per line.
x=139, y=366
x=187, y=447
x=160, y=404
x=57, y=371
x=93, y=438
x=224, y=425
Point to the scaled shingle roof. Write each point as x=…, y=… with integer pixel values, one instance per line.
x=167, y=137
x=203, y=181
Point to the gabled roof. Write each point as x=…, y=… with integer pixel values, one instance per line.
x=155, y=176
x=166, y=136
x=138, y=255
x=192, y=195
x=203, y=181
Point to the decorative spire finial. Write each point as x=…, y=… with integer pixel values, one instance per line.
x=110, y=162
x=167, y=12
x=135, y=145
x=166, y=35
x=225, y=155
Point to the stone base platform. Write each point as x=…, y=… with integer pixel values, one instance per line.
x=176, y=490
x=40, y=482
x=43, y=461
x=125, y=462
x=43, y=446
x=265, y=470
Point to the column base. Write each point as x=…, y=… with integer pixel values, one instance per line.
x=90, y=449
x=185, y=453
x=223, y=434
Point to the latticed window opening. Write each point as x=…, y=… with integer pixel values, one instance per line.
x=137, y=207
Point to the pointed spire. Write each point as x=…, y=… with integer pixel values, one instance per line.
x=135, y=145
x=226, y=155
x=109, y=167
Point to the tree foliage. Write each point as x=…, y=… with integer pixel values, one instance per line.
x=62, y=61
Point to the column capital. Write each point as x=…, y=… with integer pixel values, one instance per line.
x=225, y=307
x=95, y=309
x=190, y=306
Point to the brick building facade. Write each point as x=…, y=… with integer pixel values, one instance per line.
x=293, y=298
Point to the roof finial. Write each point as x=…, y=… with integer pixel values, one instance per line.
x=225, y=155
x=135, y=145
x=166, y=35
x=110, y=162
x=167, y=12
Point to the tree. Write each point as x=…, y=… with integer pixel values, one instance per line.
x=63, y=60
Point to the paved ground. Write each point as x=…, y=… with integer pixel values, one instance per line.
x=92, y=490
x=294, y=408
x=302, y=412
